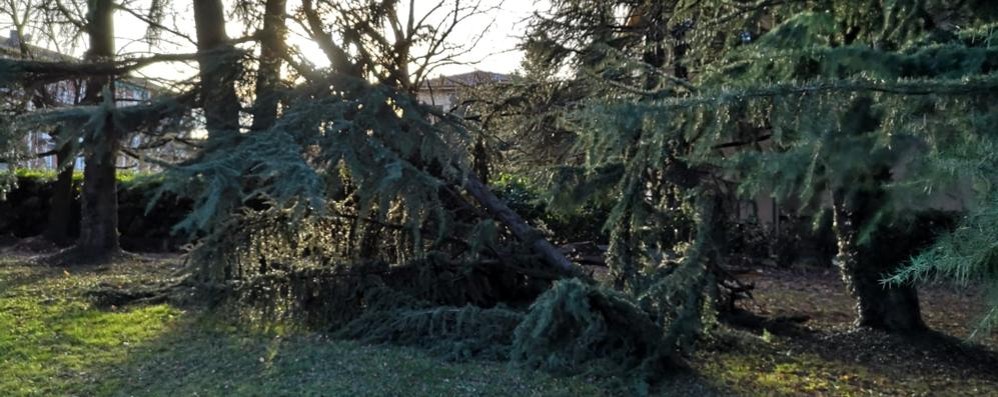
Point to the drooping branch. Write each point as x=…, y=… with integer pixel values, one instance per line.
x=51, y=71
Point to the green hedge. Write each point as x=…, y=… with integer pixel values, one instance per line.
x=25, y=211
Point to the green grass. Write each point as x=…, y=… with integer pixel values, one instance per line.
x=54, y=342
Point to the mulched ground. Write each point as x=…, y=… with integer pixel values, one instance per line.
x=820, y=295
x=825, y=355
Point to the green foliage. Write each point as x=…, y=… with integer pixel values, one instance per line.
x=452, y=333
x=460, y=311
x=567, y=223
x=811, y=99
x=359, y=160
x=126, y=178
x=55, y=342
x=968, y=256
x=919, y=110
x=907, y=111
x=575, y=324
x=142, y=227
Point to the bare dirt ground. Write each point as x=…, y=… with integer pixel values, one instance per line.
x=825, y=355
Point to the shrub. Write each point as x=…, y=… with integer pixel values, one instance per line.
x=25, y=211
x=584, y=223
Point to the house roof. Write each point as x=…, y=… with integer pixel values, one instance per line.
x=10, y=48
x=470, y=79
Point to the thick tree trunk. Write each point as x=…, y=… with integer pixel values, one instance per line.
x=99, y=211
x=864, y=264
x=61, y=204
x=218, y=67
x=268, y=76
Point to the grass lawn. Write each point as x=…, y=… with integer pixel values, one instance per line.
x=54, y=342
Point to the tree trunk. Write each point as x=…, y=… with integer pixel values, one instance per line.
x=268, y=78
x=61, y=203
x=863, y=264
x=523, y=231
x=218, y=66
x=99, y=212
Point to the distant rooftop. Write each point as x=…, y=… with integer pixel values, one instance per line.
x=469, y=79
x=10, y=47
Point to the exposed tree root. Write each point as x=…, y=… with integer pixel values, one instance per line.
x=107, y=295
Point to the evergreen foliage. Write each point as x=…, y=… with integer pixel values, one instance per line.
x=368, y=154
x=967, y=256
x=883, y=105
x=351, y=207
x=354, y=198
x=819, y=117
x=574, y=324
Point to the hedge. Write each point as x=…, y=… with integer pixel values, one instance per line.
x=25, y=211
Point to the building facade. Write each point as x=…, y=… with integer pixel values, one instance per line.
x=41, y=145
x=444, y=92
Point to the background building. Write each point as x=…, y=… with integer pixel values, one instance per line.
x=445, y=91
x=40, y=145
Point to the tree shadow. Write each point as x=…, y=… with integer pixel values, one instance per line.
x=929, y=353
x=70, y=346
x=19, y=272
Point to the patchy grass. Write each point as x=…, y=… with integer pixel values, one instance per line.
x=53, y=342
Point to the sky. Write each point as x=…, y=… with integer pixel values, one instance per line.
x=496, y=52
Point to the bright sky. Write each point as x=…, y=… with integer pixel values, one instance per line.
x=496, y=52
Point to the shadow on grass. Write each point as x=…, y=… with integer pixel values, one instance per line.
x=206, y=356
x=67, y=346
x=55, y=342
x=780, y=357
x=15, y=275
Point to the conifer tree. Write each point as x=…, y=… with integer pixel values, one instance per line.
x=97, y=123
x=398, y=169
x=99, y=210
x=28, y=18
x=861, y=156
x=786, y=87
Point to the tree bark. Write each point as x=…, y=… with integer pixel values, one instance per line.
x=523, y=231
x=863, y=264
x=99, y=211
x=218, y=67
x=61, y=203
x=268, y=77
